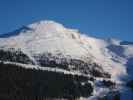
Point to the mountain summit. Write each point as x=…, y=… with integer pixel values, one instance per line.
x=47, y=26
x=47, y=44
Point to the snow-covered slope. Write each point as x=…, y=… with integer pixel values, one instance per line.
x=52, y=37
x=46, y=36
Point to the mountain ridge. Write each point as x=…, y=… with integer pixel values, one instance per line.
x=48, y=43
x=52, y=37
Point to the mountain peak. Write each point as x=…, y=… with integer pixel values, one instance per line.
x=44, y=29
x=51, y=29
x=51, y=37
x=45, y=25
x=45, y=36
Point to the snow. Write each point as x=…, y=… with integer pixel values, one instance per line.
x=103, y=56
x=49, y=36
x=28, y=66
x=52, y=37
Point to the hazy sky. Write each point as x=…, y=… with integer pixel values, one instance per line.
x=100, y=18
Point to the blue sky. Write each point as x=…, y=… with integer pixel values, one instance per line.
x=100, y=18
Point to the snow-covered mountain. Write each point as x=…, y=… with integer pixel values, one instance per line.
x=47, y=44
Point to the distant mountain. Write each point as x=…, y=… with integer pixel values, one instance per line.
x=126, y=43
x=59, y=62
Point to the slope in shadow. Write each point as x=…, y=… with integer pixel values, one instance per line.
x=16, y=81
